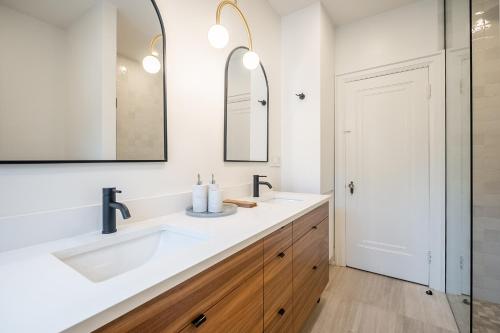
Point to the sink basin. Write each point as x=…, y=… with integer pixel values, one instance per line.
x=105, y=259
x=279, y=200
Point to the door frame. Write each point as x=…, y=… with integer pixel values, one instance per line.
x=435, y=63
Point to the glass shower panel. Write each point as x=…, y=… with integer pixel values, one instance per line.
x=486, y=165
x=458, y=146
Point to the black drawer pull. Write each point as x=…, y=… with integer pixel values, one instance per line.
x=315, y=227
x=281, y=312
x=281, y=255
x=315, y=267
x=199, y=320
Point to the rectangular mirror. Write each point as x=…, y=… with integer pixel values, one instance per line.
x=81, y=81
x=246, y=117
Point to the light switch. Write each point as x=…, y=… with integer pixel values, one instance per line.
x=275, y=162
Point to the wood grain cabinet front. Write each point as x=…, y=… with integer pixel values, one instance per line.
x=310, y=272
x=277, y=242
x=304, y=224
x=238, y=312
x=174, y=310
x=270, y=286
x=278, y=289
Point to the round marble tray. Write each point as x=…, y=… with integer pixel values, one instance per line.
x=227, y=209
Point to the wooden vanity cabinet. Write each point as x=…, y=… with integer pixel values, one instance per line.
x=270, y=286
x=240, y=311
x=278, y=300
x=310, y=265
x=177, y=308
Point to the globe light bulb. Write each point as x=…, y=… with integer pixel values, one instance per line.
x=151, y=64
x=218, y=36
x=251, y=60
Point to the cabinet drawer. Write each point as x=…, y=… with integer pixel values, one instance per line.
x=240, y=311
x=282, y=321
x=308, y=253
x=176, y=308
x=278, y=292
x=310, y=272
x=305, y=223
x=307, y=295
x=277, y=242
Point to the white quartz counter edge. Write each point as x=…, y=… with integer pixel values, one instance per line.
x=39, y=293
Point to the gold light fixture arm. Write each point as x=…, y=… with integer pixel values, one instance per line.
x=234, y=5
x=153, y=44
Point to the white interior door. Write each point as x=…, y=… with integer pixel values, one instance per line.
x=387, y=155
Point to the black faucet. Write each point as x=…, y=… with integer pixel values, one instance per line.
x=257, y=183
x=109, y=207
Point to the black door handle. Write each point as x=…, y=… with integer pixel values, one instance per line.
x=351, y=187
x=281, y=312
x=198, y=321
x=281, y=254
x=315, y=268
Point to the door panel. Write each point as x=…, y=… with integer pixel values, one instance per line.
x=388, y=163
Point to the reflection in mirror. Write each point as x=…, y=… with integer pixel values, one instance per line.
x=246, y=111
x=486, y=160
x=81, y=80
x=458, y=161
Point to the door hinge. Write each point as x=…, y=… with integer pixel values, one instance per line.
x=429, y=257
x=429, y=91
x=461, y=263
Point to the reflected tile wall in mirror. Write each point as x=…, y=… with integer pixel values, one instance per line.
x=486, y=158
x=73, y=84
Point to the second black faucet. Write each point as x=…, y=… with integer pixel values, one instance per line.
x=257, y=183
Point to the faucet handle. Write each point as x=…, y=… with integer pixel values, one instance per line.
x=110, y=190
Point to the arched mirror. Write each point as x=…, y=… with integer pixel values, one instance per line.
x=82, y=81
x=246, y=117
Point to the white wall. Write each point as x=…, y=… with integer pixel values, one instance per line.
x=405, y=33
x=91, y=116
x=327, y=77
x=195, y=88
x=301, y=156
x=32, y=100
x=308, y=125
x=308, y=67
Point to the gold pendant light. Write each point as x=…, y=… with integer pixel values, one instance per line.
x=218, y=35
x=151, y=63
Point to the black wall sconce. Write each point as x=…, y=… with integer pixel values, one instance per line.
x=301, y=96
x=263, y=102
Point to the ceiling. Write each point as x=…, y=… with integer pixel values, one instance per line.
x=342, y=11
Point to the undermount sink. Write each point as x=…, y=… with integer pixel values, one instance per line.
x=107, y=258
x=280, y=200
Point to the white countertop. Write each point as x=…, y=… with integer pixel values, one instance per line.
x=39, y=293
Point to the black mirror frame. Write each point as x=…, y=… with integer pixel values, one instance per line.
x=165, y=134
x=225, y=110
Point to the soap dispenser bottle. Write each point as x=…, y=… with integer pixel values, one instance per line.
x=200, y=197
x=214, y=197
